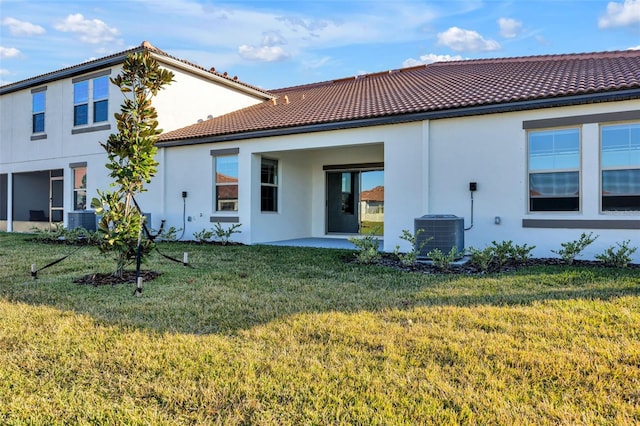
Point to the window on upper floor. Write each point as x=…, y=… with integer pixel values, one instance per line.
x=225, y=183
x=620, y=167
x=554, y=170
x=269, y=185
x=98, y=102
x=38, y=102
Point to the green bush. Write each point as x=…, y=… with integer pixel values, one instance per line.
x=499, y=254
x=224, y=235
x=61, y=235
x=481, y=259
x=411, y=257
x=441, y=260
x=203, y=236
x=368, y=248
x=572, y=249
x=619, y=258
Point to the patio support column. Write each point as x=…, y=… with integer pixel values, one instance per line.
x=425, y=167
x=9, y=202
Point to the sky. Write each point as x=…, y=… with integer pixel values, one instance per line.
x=275, y=44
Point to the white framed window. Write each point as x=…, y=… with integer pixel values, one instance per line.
x=620, y=167
x=225, y=173
x=90, y=100
x=554, y=170
x=268, y=185
x=38, y=106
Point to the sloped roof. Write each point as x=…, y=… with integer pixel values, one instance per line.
x=119, y=57
x=443, y=86
x=374, y=194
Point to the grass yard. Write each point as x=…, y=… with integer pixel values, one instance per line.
x=294, y=336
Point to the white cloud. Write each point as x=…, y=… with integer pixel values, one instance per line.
x=22, y=28
x=92, y=31
x=621, y=14
x=268, y=51
x=509, y=28
x=429, y=59
x=263, y=53
x=461, y=40
x=634, y=47
x=8, y=52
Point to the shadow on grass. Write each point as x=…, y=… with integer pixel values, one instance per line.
x=236, y=288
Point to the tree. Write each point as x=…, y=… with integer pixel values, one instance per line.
x=131, y=154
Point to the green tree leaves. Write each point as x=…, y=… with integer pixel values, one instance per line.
x=131, y=157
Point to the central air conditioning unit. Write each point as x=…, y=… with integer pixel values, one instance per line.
x=445, y=230
x=82, y=219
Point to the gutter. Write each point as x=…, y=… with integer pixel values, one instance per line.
x=619, y=95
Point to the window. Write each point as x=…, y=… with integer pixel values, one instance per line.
x=81, y=103
x=38, y=107
x=79, y=188
x=99, y=101
x=620, y=167
x=269, y=185
x=226, y=183
x=554, y=170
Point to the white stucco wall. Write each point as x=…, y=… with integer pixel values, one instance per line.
x=192, y=97
x=428, y=167
x=492, y=151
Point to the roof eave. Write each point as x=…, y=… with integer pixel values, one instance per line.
x=76, y=70
x=119, y=58
x=618, y=95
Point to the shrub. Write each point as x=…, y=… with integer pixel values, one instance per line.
x=75, y=236
x=619, y=258
x=572, y=249
x=481, y=259
x=443, y=261
x=502, y=252
x=410, y=258
x=203, y=236
x=499, y=254
x=368, y=248
x=170, y=234
x=224, y=235
x=521, y=253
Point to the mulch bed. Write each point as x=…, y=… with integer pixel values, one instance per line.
x=128, y=277
x=466, y=268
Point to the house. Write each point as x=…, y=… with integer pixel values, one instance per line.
x=51, y=161
x=535, y=150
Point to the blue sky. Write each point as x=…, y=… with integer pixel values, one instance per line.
x=273, y=44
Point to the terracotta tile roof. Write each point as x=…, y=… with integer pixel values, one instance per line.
x=374, y=194
x=435, y=87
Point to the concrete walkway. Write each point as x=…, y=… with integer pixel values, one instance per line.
x=336, y=243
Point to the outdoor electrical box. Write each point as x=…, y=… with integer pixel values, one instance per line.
x=473, y=186
x=184, y=194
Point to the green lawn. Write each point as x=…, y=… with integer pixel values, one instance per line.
x=293, y=336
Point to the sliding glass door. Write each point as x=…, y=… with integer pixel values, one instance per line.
x=355, y=202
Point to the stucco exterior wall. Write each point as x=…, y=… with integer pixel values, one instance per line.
x=189, y=98
x=492, y=151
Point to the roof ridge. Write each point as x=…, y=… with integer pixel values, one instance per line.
x=531, y=58
x=546, y=57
